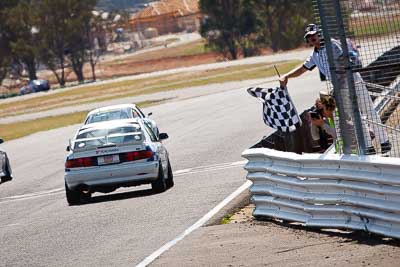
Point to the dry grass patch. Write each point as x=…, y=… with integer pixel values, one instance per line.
x=19, y=129
x=190, y=49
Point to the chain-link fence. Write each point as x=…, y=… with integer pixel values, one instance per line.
x=365, y=76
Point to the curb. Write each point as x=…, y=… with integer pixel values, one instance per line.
x=232, y=207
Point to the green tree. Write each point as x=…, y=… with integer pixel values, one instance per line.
x=233, y=26
x=221, y=26
x=63, y=35
x=23, y=43
x=5, y=37
x=285, y=21
x=95, y=31
x=80, y=41
x=251, y=24
x=53, y=17
x=4, y=58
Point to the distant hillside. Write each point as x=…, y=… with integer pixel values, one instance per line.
x=111, y=5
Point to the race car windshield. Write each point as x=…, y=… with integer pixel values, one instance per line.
x=110, y=115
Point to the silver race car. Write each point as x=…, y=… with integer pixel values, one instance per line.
x=107, y=155
x=5, y=167
x=120, y=112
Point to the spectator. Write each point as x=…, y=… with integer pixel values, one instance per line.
x=318, y=58
x=321, y=118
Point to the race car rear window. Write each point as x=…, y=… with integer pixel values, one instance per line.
x=92, y=138
x=90, y=133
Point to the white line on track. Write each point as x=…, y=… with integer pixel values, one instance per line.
x=31, y=195
x=194, y=170
x=196, y=225
x=212, y=167
x=182, y=171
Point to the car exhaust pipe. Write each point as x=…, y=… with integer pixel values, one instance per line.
x=85, y=189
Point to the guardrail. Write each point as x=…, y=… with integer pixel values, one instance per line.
x=326, y=191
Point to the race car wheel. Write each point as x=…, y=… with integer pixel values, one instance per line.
x=159, y=185
x=170, y=180
x=73, y=196
x=7, y=176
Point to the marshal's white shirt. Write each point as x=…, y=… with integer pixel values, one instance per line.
x=319, y=58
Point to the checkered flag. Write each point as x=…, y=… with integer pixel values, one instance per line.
x=279, y=111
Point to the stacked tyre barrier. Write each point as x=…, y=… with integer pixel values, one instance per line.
x=326, y=190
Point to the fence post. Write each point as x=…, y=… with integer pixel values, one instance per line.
x=344, y=130
x=346, y=114
x=358, y=126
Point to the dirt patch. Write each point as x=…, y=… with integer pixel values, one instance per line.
x=249, y=242
x=394, y=111
x=244, y=215
x=151, y=65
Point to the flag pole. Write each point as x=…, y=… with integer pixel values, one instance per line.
x=277, y=72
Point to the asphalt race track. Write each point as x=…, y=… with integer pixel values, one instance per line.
x=207, y=134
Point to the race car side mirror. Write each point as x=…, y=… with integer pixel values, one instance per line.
x=163, y=136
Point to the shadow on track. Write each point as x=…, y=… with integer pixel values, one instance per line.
x=117, y=196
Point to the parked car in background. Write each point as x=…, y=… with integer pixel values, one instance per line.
x=34, y=86
x=5, y=167
x=107, y=155
x=120, y=112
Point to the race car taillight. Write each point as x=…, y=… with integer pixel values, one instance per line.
x=81, y=162
x=136, y=155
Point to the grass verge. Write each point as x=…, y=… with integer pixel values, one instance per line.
x=227, y=219
x=362, y=27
